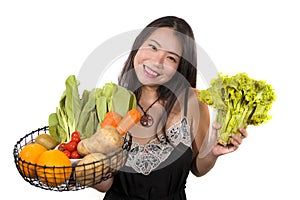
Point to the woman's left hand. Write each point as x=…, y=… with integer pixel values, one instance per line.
x=235, y=140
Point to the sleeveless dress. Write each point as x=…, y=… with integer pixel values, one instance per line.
x=157, y=170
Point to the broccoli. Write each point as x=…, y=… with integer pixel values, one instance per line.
x=239, y=101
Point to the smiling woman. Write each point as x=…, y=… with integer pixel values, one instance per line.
x=158, y=58
x=161, y=71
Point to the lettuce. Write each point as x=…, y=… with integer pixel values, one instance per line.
x=239, y=101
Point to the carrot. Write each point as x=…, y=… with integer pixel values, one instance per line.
x=111, y=119
x=128, y=121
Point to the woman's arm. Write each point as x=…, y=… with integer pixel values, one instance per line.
x=203, y=163
x=205, y=149
x=203, y=158
x=104, y=186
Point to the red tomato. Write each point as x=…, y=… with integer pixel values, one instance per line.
x=68, y=153
x=75, y=134
x=76, y=139
x=71, y=146
x=75, y=155
x=62, y=147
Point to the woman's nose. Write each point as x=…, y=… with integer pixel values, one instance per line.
x=158, y=58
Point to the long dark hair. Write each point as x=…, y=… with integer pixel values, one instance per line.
x=187, y=69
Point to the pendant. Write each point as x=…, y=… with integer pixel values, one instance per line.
x=146, y=120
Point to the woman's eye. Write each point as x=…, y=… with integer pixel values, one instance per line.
x=152, y=46
x=172, y=59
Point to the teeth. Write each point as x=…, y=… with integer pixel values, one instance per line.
x=148, y=70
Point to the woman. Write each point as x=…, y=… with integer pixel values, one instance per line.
x=171, y=139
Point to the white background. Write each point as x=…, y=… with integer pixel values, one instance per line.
x=41, y=43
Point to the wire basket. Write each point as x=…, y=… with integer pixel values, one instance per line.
x=69, y=178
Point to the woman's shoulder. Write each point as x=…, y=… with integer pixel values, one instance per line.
x=193, y=100
x=197, y=112
x=188, y=105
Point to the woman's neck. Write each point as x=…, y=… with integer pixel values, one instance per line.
x=149, y=94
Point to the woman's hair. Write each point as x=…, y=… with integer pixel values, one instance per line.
x=187, y=69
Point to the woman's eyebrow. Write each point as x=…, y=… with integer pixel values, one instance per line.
x=158, y=44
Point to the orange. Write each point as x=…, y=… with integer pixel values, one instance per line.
x=54, y=168
x=30, y=154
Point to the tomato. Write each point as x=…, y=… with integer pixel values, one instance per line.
x=75, y=134
x=68, y=153
x=62, y=146
x=71, y=146
x=76, y=139
x=75, y=155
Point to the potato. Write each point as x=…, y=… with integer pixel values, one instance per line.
x=96, y=166
x=81, y=149
x=116, y=160
x=91, y=169
x=106, y=140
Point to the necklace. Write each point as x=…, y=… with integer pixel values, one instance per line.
x=147, y=120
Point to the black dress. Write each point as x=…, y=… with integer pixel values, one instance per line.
x=157, y=170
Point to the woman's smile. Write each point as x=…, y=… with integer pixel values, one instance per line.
x=149, y=72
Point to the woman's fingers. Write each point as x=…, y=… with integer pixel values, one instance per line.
x=237, y=140
x=244, y=132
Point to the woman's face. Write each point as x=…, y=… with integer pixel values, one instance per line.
x=158, y=58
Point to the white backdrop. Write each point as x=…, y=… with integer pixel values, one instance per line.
x=41, y=43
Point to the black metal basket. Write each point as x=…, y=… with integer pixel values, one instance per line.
x=68, y=178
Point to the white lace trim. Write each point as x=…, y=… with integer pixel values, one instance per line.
x=145, y=158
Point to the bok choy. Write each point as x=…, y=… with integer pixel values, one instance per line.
x=84, y=113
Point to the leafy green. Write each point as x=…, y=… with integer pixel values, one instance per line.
x=72, y=102
x=239, y=101
x=121, y=102
x=101, y=106
x=85, y=113
x=112, y=97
